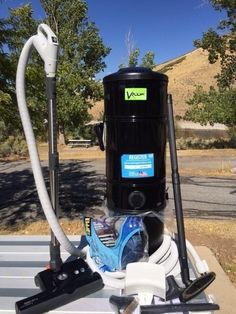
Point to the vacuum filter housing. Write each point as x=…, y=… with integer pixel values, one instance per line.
x=135, y=126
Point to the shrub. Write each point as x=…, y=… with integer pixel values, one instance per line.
x=232, y=136
x=14, y=146
x=19, y=147
x=202, y=143
x=5, y=150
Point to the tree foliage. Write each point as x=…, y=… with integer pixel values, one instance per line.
x=133, y=60
x=81, y=57
x=134, y=53
x=6, y=79
x=213, y=107
x=133, y=57
x=148, y=60
x=222, y=47
x=218, y=104
x=21, y=26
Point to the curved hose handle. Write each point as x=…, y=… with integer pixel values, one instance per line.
x=46, y=43
x=39, y=41
x=45, y=30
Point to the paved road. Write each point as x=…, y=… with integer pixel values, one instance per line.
x=82, y=188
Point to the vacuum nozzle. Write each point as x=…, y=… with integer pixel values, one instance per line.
x=75, y=280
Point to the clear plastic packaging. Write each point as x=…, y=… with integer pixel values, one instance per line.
x=116, y=240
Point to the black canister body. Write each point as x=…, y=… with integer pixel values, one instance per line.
x=135, y=123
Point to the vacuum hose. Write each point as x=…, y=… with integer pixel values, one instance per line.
x=166, y=255
x=33, y=152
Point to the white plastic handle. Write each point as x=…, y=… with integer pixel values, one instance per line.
x=44, y=29
x=45, y=42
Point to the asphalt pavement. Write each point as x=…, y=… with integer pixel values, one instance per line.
x=82, y=190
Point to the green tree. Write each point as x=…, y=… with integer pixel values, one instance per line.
x=218, y=104
x=148, y=60
x=133, y=54
x=213, y=107
x=6, y=78
x=81, y=57
x=21, y=26
x=133, y=57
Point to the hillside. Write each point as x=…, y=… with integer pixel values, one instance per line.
x=184, y=72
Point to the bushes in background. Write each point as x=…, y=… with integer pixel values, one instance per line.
x=13, y=145
x=204, y=143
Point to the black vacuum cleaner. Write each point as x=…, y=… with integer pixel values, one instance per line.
x=138, y=116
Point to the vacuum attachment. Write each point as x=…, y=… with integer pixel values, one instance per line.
x=197, y=286
x=123, y=304
x=192, y=288
x=176, y=308
x=74, y=281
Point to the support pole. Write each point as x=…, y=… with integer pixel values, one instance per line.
x=53, y=157
x=183, y=257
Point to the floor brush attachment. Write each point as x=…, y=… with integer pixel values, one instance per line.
x=74, y=281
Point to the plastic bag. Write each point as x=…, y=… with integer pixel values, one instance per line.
x=116, y=241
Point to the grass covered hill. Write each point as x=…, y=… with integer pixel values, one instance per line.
x=184, y=72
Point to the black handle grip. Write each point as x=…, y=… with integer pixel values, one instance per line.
x=99, y=132
x=181, y=307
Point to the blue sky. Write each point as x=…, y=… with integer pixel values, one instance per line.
x=166, y=27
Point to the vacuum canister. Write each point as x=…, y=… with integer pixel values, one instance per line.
x=135, y=126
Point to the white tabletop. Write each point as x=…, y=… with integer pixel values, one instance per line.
x=22, y=257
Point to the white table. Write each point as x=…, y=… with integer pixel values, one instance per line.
x=22, y=257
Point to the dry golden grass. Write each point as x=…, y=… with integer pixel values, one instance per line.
x=94, y=152
x=41, y=227
x=208, y=152
x=184, y=76
x=67, y=152
x=220, y=237
x=219, y=172
x=187, y=71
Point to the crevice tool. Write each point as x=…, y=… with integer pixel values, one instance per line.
x=178, y=308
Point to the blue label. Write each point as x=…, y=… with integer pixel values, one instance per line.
x=137, y=166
